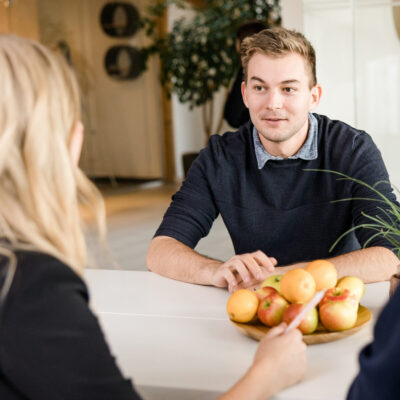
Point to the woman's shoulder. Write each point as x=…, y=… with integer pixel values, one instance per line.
x=40, y=271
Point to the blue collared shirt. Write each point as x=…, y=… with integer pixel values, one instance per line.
x=309, y=150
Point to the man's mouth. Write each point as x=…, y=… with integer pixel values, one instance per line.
x=273, y=119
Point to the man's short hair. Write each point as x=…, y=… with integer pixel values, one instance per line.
x=249, y=28
x=278, y=42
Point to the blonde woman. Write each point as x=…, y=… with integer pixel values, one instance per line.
x=51, y=346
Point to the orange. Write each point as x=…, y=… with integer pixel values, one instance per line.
x=242, y=305
x=298, y=286
x=324, y=274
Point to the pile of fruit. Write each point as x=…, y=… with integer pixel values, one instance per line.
x=282, y=297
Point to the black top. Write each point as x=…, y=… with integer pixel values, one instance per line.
x=235, y=112
x=51, y=345
x=379, y=376
x=281, y=209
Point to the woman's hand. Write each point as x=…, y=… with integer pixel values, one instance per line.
x=280, y=361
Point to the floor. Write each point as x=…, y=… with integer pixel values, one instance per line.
x=133, y=215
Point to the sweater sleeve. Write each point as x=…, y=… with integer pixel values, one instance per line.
x=193, y=209
x=51, y=345
x=379, y=373
x=368, y=166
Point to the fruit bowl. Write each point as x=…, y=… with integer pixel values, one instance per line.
x=321, y=335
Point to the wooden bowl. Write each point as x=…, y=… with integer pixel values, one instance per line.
x=321, y=335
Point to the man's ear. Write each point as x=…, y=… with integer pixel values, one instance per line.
x=316, y=93
x=244, y=94
x=76, y=142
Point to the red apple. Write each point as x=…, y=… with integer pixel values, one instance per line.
x=308, y=324
x=353, y=284
x=265, y=291
x=338, y=294
x=338, y=310
x=271, y=309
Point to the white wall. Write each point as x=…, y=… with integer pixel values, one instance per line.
x=329, y=29
x=358, y=66
x=292, y=14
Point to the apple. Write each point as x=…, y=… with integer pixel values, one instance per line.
x=273, y=281
x=308, y=324
x=338, y=294
x=338, y=309
x=265, y=291
x=271, y=309
x=355, y=286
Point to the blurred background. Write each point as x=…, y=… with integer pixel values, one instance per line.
x=155, y=76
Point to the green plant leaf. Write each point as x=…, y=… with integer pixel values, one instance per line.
x=388, y=229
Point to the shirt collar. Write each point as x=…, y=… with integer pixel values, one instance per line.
x=309, y=150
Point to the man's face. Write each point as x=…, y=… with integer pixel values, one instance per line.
x=278, y=97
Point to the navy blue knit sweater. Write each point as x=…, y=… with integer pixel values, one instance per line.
x=281, y=209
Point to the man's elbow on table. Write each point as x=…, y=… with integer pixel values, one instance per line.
x=155, y=253
x=164, y=254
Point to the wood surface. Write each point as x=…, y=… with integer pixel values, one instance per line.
x=321, y=335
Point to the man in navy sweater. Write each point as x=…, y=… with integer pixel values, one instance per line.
x=279, y=215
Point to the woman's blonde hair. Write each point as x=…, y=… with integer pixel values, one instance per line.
x=40, y=187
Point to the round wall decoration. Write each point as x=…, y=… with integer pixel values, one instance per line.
x=119, y=19
x=123, y=62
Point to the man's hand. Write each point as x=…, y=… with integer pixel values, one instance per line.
x=244, y=270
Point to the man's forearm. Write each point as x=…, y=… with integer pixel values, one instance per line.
x=173, y=259
x=373, y=264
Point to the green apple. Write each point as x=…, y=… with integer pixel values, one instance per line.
x=273, y=281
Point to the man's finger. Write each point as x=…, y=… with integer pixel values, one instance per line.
x=264, y=260
x=252, y=265
x=238, y=266
x=274, y=261
x=230, y=279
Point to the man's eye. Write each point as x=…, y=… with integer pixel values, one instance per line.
x=258, y=88
x=289, y=89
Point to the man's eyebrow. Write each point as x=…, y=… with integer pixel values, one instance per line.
x=290, y=81
x=286, y=82
x=256, y=78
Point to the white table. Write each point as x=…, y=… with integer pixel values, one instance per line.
x=176, y=342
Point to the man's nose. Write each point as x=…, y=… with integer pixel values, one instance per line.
x=273, y=100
